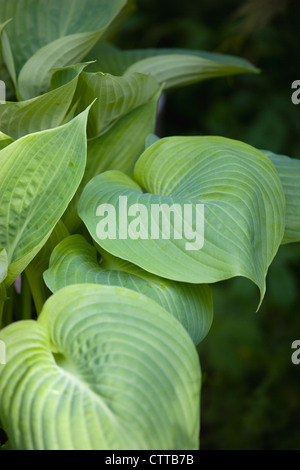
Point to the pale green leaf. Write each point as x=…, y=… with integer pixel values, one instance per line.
x=244, y=210
x=5, y=77
x=35, y=76
x=289, y=172
x=178, y=70
x=39, y=175
x=104, y=368
x=41, y=113
x=63, y=75
x=75, y=261
x=5, y=140
x=36, y=23
x=124, y=114
x=116, y=97
x=7, y=52
x=171, y=67
x=119, y=148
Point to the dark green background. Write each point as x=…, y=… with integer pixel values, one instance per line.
x=251, y=389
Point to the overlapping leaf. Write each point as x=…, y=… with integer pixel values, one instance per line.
x=35, y=76
x=5, y=140
x=122, y=117
x=171, y=67
x=74, y=261
x=40, y=113
x=289, y=172
x=103, y=368
x=6, y=56
x=46, y=21
x=39, y=176
x=120, y=147
x=116, y=97
x=244, y=210
x=54, y=34
x=5, y=77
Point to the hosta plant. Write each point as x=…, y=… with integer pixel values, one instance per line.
x=98, y=334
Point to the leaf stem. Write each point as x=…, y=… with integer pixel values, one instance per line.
x=38, y=289
x=1, y=312
x=26, y=298
x=3, y=299
x=8, y=313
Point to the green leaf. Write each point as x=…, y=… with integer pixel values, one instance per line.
x=124, y=115
x=289, y=172
x=116, y=97
x=40, y=22
x=151, y=139
x=5, y=77
x=35, y=76
x=63, y=75
x=41, y=113
x=74, y=261
x=5, y=140
x=103, y=368
x=121, y=146
x=244, y=210
x=171, y=67
x=7, y=52
x=39, y=175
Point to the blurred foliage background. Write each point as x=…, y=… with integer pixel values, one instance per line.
x=251, y=389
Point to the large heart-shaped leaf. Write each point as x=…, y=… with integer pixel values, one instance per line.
x=39, y=175
x=103, y=368
x=171, y=67
x=74, y=261
x=40, y=22
x=44, y=112
x=289, y=172
x=235, y=185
